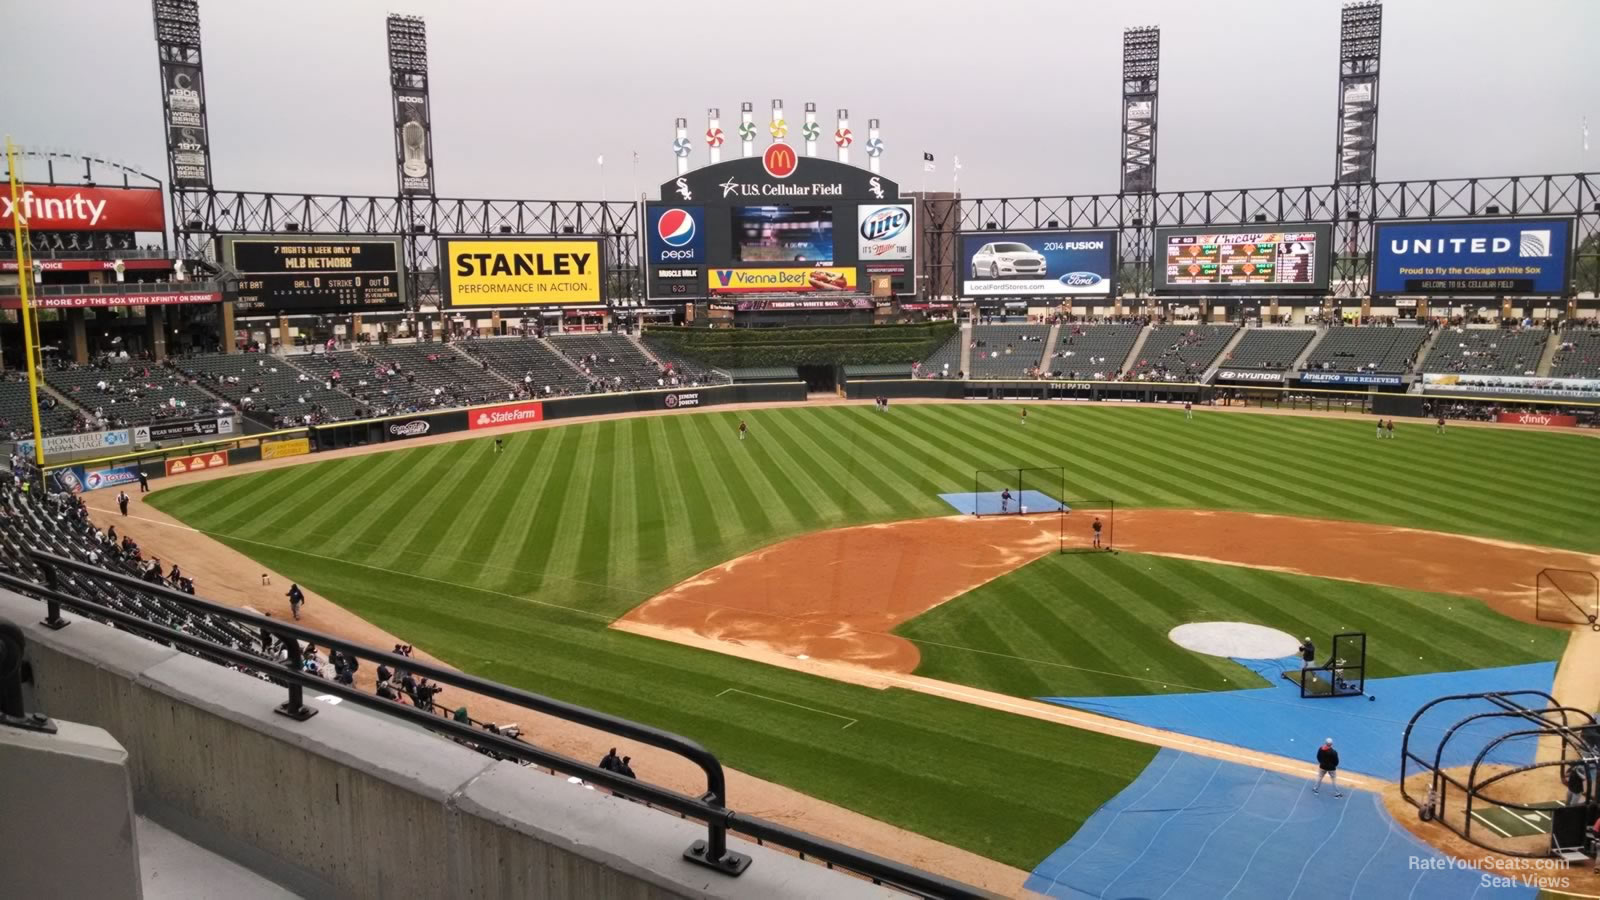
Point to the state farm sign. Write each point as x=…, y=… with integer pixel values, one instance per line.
x=62, y=208
x=505, y=414
x=1555, y=419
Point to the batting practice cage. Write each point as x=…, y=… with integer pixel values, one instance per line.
x=1571, y=596
x=1344, y=674
x=1042, y=491
x=1492, y=767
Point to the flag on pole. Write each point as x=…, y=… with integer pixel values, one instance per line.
x=957, y=163
x=927, y=162
x=635, y=157
x=1586, y=134
x=600, y=160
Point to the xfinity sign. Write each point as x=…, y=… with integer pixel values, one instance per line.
x=1521, y=256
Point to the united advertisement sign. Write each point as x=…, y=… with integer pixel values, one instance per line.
x=1522, y=256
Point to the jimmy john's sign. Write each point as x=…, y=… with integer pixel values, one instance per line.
x=518, y=272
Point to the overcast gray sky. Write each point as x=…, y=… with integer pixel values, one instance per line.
x=526, y=94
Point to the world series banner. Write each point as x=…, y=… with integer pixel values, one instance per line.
x=186, y=124
x=414, y=138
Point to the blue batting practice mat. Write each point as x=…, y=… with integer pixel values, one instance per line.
x=1191, y=826
x=1367, y=732
x=988, y=503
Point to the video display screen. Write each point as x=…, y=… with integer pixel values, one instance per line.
x=315, y=275
x=783, y=234
x=1282, y=257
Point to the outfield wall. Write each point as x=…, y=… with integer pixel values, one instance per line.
x=352, y=804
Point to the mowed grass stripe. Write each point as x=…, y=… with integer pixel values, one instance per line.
x=933, y=762
x=1111, y=613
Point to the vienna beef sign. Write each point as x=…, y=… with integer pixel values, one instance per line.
x=524, y=272
x=63, y=208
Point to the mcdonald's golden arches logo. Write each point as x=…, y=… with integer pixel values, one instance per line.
x=780, y=160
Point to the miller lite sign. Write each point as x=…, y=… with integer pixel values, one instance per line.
x=884, y=232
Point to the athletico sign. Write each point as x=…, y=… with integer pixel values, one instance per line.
x=196, y=463
x=1349, y=378
x=1538, y=419
x=505, y=414
x=59, y=208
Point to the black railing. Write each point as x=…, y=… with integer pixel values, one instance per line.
x=709, y=807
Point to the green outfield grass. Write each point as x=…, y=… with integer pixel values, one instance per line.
x=1096, y=625
x=510, y=566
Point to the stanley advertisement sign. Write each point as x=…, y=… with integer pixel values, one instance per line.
x=523, y=272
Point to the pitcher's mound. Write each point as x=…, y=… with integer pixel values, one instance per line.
x=1236, y=640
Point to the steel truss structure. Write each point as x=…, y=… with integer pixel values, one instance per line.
x=1135, y=216
x=1141, y=71
x=421, y=221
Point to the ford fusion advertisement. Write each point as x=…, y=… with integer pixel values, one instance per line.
x=1525, y=256
x=1039, y=263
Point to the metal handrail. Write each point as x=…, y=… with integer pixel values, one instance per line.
x=125, y=253
x=708, y=808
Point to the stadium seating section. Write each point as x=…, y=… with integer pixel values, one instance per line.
x=1368, y=349
x=270, y=389
x=1007, y=351
x=135, y=393
x=1487, y=351
x=1273, y=349
x=611, y=361
x=945, y=362
x=1180, y=352
x=1092, y=351
x=689, y=370
x=16, y=417
x=1578, y=355
x=529, y=362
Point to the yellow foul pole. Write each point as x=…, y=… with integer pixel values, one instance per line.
x=19, y=226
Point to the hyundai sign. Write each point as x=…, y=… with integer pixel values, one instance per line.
x=1524, y=256
x=1038, y=263
x=677, y=235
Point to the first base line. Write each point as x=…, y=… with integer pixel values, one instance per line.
x=848, y=721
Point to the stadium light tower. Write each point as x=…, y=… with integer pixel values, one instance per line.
x=1360, y=40
x=1141, y=68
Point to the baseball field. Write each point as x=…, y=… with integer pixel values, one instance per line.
x=513, y=566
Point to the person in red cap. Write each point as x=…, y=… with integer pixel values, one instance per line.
x=1328, y=760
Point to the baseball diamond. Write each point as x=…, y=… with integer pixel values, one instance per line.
x=926, y=515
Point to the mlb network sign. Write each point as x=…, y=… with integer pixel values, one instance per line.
x=1525, y=256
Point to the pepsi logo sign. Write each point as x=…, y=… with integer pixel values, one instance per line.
x=885, y=224
x=675, y=227
x=780, y=160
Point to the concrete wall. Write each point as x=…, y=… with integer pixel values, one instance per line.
x=352, y=804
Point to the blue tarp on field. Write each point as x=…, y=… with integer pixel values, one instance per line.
x=1367, y=732
x=988, y=502
x=1192, y=827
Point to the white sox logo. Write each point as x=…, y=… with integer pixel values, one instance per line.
x=875, y=187
x=683, y=189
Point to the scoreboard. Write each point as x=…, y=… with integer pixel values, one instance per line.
x=315, y=275
x=1209, y=259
